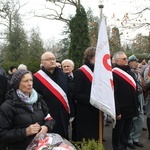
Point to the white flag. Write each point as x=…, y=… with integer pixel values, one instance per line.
x=102, y=91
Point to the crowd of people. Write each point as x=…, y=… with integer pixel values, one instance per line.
x=56, y=99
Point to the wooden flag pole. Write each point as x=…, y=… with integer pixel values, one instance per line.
x=100, y=127
x=100, y=112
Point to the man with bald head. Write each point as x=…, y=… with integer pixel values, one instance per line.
x=52, y=84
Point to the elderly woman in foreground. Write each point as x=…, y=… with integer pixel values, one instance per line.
x=23, y=114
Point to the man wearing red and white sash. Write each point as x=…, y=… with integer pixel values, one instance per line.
x=125, y=92
x=52, y=84
x=87, y=116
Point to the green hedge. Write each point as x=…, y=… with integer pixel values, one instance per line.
x=88, y=145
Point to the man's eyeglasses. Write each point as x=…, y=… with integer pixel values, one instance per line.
x=123, y=58
x=49, y=59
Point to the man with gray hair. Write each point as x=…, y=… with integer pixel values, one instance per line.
x=125, y=101
x=68, y=67
x=22, y=66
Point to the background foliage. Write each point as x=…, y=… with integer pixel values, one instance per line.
x=80, y=32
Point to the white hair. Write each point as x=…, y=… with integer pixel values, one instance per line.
x=22, y=66
x=116, y=55
x=69, y=61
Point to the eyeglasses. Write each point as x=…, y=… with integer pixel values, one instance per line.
x=123, y=58
x=49, y=59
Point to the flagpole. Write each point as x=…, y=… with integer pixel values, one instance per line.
x=101, y=120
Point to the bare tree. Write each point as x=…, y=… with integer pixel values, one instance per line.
x=137, y=17
x=55, y=9
x=8, y=9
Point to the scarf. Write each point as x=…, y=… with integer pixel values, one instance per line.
x=28, y=100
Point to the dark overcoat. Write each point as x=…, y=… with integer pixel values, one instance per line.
x=87, y=116
x=56, y=109
x=4, y=87
x=15, y=117
x=126, y=99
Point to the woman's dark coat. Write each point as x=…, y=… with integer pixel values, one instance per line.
x=15, y=117
x=87, y=116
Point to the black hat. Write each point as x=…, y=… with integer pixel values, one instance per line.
x=16, y=78
x=12, y=67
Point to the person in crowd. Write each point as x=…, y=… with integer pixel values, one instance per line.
x=143, y=62
x=24, y=113
x=87, y=116
x=58, y=63
x=112, y=62
x=22, y=66
x=139, y=68
x=138, y=121
x=68, y=67
x=2, y=72
x=125, y=93
x=147, y=82
x=52, y=84
x=142, y=74
x=4, y=87
x=12, y=69
x=145, y=66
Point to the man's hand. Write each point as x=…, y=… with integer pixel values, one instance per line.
x=118, y=117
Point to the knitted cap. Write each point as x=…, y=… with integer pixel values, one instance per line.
x=16, y=78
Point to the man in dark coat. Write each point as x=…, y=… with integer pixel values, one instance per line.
x=52, y=84
x=4, y=87
x=125, y=92
x=68, y=67
x=87, y=116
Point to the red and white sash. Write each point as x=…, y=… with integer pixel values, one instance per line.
x=54, y=88
x=125, y=76
x=87, y=71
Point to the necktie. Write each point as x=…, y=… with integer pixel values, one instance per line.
x=70, y=77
